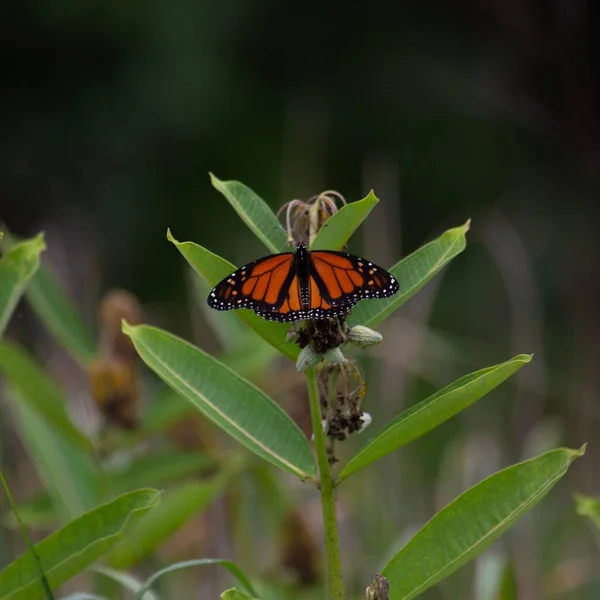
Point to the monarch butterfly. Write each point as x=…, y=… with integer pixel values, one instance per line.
x=302, y=285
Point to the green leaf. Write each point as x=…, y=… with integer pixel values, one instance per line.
x=230, y=566
x=127, y=581
x=429, y=413
x=37, y=513
x=179, y=504
x=17, y=266
x=213, y=269
x=59, y=316
x=159, y=469
x=67, y=473
x=225, y=324
x=412, y=273
x=234, y=404
x=469, y=524
x=39, y=391
x=74, y=547
x=30, y=549
x=336, y=231
x=255, y=212
x=589, y=507
x=234, y=594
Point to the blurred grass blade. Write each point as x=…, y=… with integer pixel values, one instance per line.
x=125, y=580
x=412, y=273
x=39, y=391
x=234, y=594
x=244, y=350
x=213, y=269
x=68, y=474
x=234, y=404
x=59, y=316
x=589, y=507
x=226, y=326
x=230, y=566
x=470, y=523
x=255, y=212
x=31, y=553
x=17, y=265
x=337, y=230
x=74, y=547
x=36, y=513
x=178, y=505
x=429, y=413
x=160, y=468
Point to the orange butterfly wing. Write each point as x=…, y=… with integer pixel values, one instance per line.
x=338, y=280
x=327, y=284
x=262, y=285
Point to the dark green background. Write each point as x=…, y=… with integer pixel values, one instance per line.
x=113, y=113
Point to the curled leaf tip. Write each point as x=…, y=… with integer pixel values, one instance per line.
x=171, y=237
x=126, y=328
x=467, y=225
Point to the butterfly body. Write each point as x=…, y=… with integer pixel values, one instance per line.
x=299, y=285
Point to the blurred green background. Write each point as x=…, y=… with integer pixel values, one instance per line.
x=113, y=114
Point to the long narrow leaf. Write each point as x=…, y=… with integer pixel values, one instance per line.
x=213, y=268
x=178, y=506
x=60, y=317
x=255, y=212
x=160, y=468
x=30, y=549
x=125, y=580
x=75, y=546
x=68, y=474
x=412, y=273
x=39, y=391
x=227, y=564
x=337, y=230
x=469, y=524
x=429, y=413
x=234, y=404
x=17, y=266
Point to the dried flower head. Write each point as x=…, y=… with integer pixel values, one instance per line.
x=304, y=218
x=341, y=390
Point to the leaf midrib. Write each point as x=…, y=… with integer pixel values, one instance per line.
x=226, y=418
x=386, y=432
x=481, y=540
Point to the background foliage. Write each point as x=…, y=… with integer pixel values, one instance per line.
x=114, y=113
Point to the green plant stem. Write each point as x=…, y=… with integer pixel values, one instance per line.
x=30, y=546
x=332, y=544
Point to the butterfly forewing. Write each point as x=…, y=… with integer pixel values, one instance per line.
x=257, y=285
x=343, y=279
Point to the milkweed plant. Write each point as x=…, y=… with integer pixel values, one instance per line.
x=327, y=351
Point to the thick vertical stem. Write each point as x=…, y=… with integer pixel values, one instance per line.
x=332, y=545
